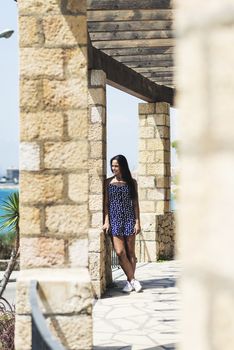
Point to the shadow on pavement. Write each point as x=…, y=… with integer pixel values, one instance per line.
x=115, y=289
x=129, y=347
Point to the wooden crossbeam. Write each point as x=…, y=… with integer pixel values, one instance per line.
x=148, y=63
x=126, y=79
x=123, y=26
x=135, y=51
x=116, y=44
x=129, y=15
x=145, y=58
x=125, y=5
x=156, y=34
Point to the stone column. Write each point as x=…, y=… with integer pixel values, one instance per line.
x=99, y=244
x=54, y=177
x=205, y=80
x=153, y=174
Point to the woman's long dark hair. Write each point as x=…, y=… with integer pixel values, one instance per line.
x=126, y=174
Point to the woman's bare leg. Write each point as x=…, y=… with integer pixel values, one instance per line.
x=130, y=250
x=119, y=246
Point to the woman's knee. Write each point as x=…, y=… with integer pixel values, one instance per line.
x=120, y=253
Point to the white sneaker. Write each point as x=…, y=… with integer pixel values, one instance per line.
x=127, y=288
x=136, y=285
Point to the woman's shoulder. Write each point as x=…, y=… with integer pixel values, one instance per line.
x=108, y=180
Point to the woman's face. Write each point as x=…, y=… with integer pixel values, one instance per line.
x=115, y=168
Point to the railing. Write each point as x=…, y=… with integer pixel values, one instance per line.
x=114, y=260
x=42, y=338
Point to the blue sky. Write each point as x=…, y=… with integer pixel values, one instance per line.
x=122, y=109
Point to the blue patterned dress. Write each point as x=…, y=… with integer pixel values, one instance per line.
x=121, y=210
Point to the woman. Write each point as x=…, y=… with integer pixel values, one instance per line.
x=122, y=218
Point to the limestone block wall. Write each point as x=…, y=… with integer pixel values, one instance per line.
x=153, y=174
x=205, y=80
x=54, y=164
x=165, y=236
x=99, y=245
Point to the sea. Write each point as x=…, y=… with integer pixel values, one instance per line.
x=4, y=193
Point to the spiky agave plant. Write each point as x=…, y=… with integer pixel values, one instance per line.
x=10, y=224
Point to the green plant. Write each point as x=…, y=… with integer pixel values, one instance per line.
x=7, y=325
x=10, y=225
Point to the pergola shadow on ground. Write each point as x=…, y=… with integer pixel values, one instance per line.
x=146, y=320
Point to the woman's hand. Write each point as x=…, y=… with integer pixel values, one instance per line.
x=137, y=228
x=106, y=227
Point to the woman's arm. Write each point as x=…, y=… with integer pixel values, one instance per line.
x=137, y=228
x=106, y=211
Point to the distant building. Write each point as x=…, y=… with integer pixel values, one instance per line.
x=12, y=175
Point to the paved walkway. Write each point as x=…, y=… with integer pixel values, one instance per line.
x=148, y=320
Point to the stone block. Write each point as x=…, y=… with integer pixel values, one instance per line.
x=151, y=120
x=146, y=181
x=148, y=222
x=96, y=166
x=41, y=252
x=96, y=184
x=156, y=194
x=162, y=108
x=97, y=96
x=160, y=156
x=69, y=220
x=75, y=7
x=95, y=265
x=78, y=187
x=147, y=206
x=142, y=193
x=96, y=240
x=162, y=132
x=160, y=207
x=30, y=94
x=78, y=253
x=142, y=120
x=66, y=155
x=73, y=290
x=77, y=124
x=75, y=62
x=64, y=95
x=76, y=330
x=97, y=114
x=65, y=31
x=148, y=235
x=39, y=7
x=42, y=126
x=96, y=132
x=95, y=202
x=142, y=145
x=40, y=188
x=146, y=108
x=147, y=132
x=98, y=78
x=29, y=31
x=161, y=182
x=142, y=169
x=97, y=219
x=160, y=119
x=23, y=332
x=96, y=149
x=40, y=62
x=151, y=144
x=146, y=156
x=29, y=221
x=29, y=156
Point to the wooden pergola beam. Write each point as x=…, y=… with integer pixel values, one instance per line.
x=124, y=78
x=125, y=5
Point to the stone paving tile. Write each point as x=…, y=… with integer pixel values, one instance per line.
x=140, y=321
